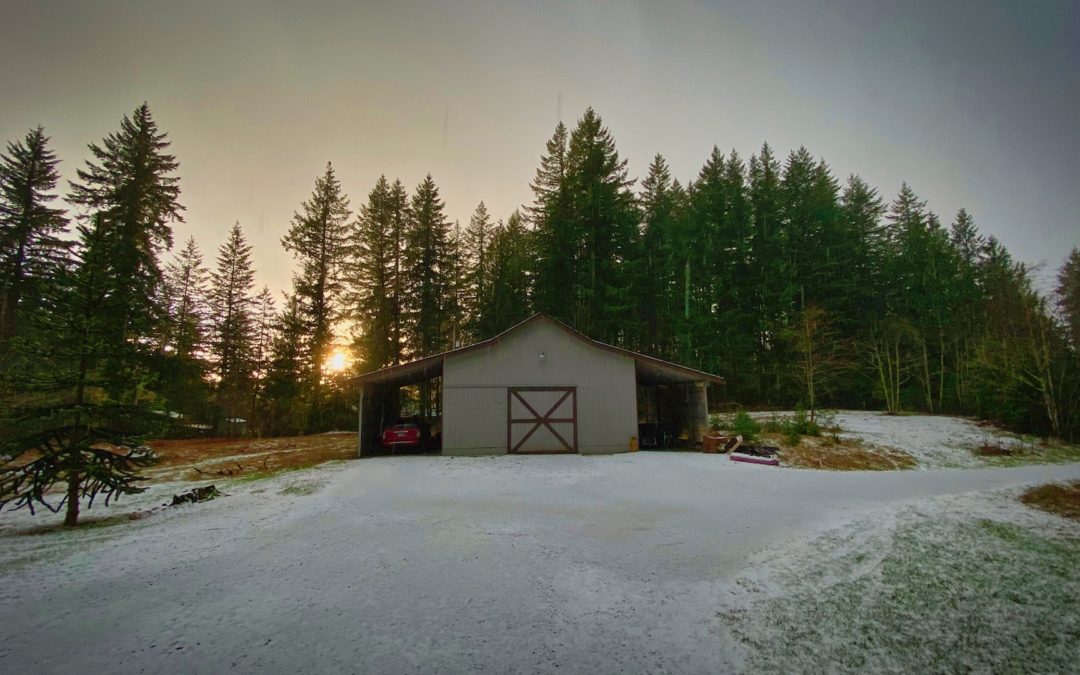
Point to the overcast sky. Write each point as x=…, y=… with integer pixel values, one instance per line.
x=973, y=103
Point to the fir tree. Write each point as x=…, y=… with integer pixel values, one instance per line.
x=185, y=301
x=181, y=368
x=286, y=395
x=264, y=316
x=511, y=260
x=479, y=270
x=399, y=218
x=860, y=214
x=655, y=275
x=232, y=327
x=603, y=228
x=769, y=274
x=427, y=265
x=129, y=189
x=372, y=277
x=454, y=304
x=30, y=248
x=427, y=251
x=68, y=431
x=1068, y=292
x=319, y=238
x=556, y=234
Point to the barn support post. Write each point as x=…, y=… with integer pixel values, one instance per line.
x=698, y=400
x=360, y=424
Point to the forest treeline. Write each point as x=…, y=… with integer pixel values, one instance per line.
x=798, y=287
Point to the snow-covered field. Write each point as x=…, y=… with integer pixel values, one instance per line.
x=935, y=441
x=506, y=564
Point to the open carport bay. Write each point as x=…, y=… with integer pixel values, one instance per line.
x=438, y=564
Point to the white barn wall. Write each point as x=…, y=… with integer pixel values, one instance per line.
x=475, y=384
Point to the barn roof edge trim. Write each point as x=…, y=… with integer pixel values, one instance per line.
x=430, y=366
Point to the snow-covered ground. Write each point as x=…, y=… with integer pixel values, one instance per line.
x=430, y=564
x=935, y=441
x=961, y=583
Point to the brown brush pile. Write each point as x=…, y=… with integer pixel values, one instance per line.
x=1062, y=499
x=830, y=453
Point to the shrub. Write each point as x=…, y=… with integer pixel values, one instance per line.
x=793, y=428
x=745, y=426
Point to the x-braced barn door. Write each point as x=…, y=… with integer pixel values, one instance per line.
x=541, y=419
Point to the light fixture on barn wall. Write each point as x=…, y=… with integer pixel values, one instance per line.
x=541, y=357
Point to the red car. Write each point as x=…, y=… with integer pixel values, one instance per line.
x=408, y=433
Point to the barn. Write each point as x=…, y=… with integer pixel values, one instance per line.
x=539, y=387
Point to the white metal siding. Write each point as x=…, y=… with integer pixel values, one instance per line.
x=474, y=390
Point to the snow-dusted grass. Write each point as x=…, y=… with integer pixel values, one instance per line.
x=973, y=583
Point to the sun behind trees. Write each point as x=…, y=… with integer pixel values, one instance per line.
x=797, y=287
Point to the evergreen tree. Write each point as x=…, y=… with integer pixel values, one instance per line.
x=399, y=219
x=654, y=276
x=860, y=213
x=181, y=368
x=232, y=328
x=511, y=261
x=555, y=231
x=454, y=305
x=604, y=222
x=30, y=248
x=769, y=273
x=1068, y=292
x=427, y=253
x=264, y=316
x=478, y=273
x=319, y=238
x=62, y=428
x=286, y=395
x=372, y=278
x=428, y=265
x=185, y=301
x=129, y=190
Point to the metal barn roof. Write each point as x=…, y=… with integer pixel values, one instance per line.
x=649, y=368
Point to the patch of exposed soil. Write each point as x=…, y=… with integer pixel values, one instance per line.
x=994, y=450
x=202, y=458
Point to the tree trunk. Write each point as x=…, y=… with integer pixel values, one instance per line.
x=71, y=518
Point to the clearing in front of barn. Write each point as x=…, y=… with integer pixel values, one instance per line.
x=208, y=459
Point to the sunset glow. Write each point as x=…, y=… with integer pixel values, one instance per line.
x=337, y=362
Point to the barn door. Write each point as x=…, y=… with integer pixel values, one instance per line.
x=541, y=419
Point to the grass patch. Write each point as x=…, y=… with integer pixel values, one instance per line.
x=926, y=596
x=1062, y=499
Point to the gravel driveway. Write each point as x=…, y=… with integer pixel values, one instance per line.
x=431, y=564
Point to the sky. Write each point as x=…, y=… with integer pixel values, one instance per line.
x=974, y=104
